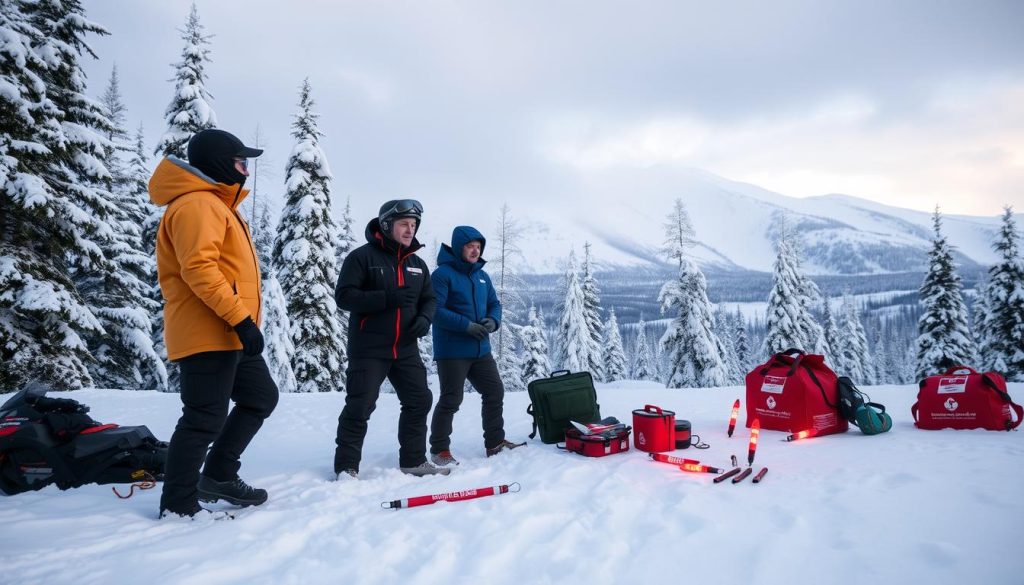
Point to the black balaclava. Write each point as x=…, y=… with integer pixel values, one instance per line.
x=213, y=152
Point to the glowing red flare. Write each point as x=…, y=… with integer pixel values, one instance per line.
x=800, y=435
x=735, y=413
x=692, y=467
x=755, y=430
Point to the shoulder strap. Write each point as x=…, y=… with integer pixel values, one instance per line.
x=814, y=379
x=529, y=411
x=1010, y=425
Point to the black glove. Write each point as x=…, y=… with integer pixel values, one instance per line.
x=477, y=331
x=250, y=336
x=400, y=297
x=419, y=326
x=490, y=324
x=63, y=405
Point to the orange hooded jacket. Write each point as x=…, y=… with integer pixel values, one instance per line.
x=207, y=265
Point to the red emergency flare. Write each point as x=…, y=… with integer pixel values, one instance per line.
x=801, y=435
x=696, y=468
x=451, y=496
x=735, y=413
x=755, y=430
x=673, y=460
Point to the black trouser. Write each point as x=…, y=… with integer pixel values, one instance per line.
x=483, y=375
x=209, y=381
x=365, y=375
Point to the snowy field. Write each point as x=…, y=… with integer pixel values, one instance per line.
x=909, y=506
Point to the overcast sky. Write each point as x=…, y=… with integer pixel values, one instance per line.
x=908, y=103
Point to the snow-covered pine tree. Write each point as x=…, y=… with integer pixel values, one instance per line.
x=346, y=239
x=981, y=327
x=943, y=334
x=854, y=360
x=190, y=110
x=574, y=342
x=788, y=320
x=679, y=233
x=694, y=351
x=613, y=355
x=137, y=189
x=643, y=362
x=592, y=313
x=881, y=366
x=831, y=332
x=1003, y=344
x=535, y=348
x=742, y=345
x=502, y=249
x=725, y=329
x=304, y=257
x=510, y=363
x=46, y=223
x=276, y=324
x=117, y=134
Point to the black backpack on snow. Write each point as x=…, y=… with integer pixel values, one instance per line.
x=856, y=407
x=52, y=440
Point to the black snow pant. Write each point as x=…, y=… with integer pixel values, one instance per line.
x=365, y=375
x=209, y=381
x=482, y=373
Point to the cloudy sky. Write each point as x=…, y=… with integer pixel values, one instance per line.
x=911, y=103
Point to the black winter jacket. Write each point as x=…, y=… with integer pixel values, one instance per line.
x=366, y=276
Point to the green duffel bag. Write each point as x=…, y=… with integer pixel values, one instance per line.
x=558, y=399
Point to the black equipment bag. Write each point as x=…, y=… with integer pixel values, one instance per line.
x=558, y=399
x=47, y=441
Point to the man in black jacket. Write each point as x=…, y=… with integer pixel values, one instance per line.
x=386, y=289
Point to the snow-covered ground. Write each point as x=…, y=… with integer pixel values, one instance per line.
x=909, y=506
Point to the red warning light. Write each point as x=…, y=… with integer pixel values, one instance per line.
x=735, y=413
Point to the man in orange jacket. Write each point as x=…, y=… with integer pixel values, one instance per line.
x=210, y=280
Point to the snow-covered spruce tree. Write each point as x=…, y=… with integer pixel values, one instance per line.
x=982, y=329
x=643, y=362
x=276, y=325
x=137, y=190
x=535, y=348
x=679, y=233
x=881, y=360
x=119, y=147
x=853, y=357
x=592, y=311
x=502, y=249
x=1003, y=341
x=694, y=351
x=190, y=110
x=742, y=345
x=574, y=342
x=943, y=335
x=510, y=363
x=614, y=356
x=788, y=320
x=725, y=329
x=304, y=257
x=831, y=332
x=46, y=220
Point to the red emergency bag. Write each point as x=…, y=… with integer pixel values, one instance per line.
x=962, y=398
x=795, y=391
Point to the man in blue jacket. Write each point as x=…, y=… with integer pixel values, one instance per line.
x=468, y=311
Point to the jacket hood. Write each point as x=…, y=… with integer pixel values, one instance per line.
x=174, y=177
x=375, y=236
x=452, y=255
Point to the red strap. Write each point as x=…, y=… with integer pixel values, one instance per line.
x=913, y=412
x=1020, y=413
x=97, y=429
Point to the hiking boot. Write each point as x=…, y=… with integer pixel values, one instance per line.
x=425, y=468
x=443, y=459
x=347, y=474
x=233, y=491
x=503, y=446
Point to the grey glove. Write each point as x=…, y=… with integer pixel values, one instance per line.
x=476, y=331
x=490, y=324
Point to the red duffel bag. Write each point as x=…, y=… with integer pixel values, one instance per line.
x=965, y=399
x=795, y=391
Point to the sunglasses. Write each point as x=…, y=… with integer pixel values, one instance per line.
x=405, y=206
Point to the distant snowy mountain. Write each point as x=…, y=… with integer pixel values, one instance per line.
x=622, y=215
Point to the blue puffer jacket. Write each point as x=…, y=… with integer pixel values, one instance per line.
x=464, y=294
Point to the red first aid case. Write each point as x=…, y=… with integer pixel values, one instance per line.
x=963, y=398
x=597, y=445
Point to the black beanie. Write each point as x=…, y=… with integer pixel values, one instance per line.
x=213, y=152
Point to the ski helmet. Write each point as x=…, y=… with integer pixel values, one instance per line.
x=398, y=209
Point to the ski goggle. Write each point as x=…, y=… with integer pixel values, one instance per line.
x=242, y=161
x=404, y=207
